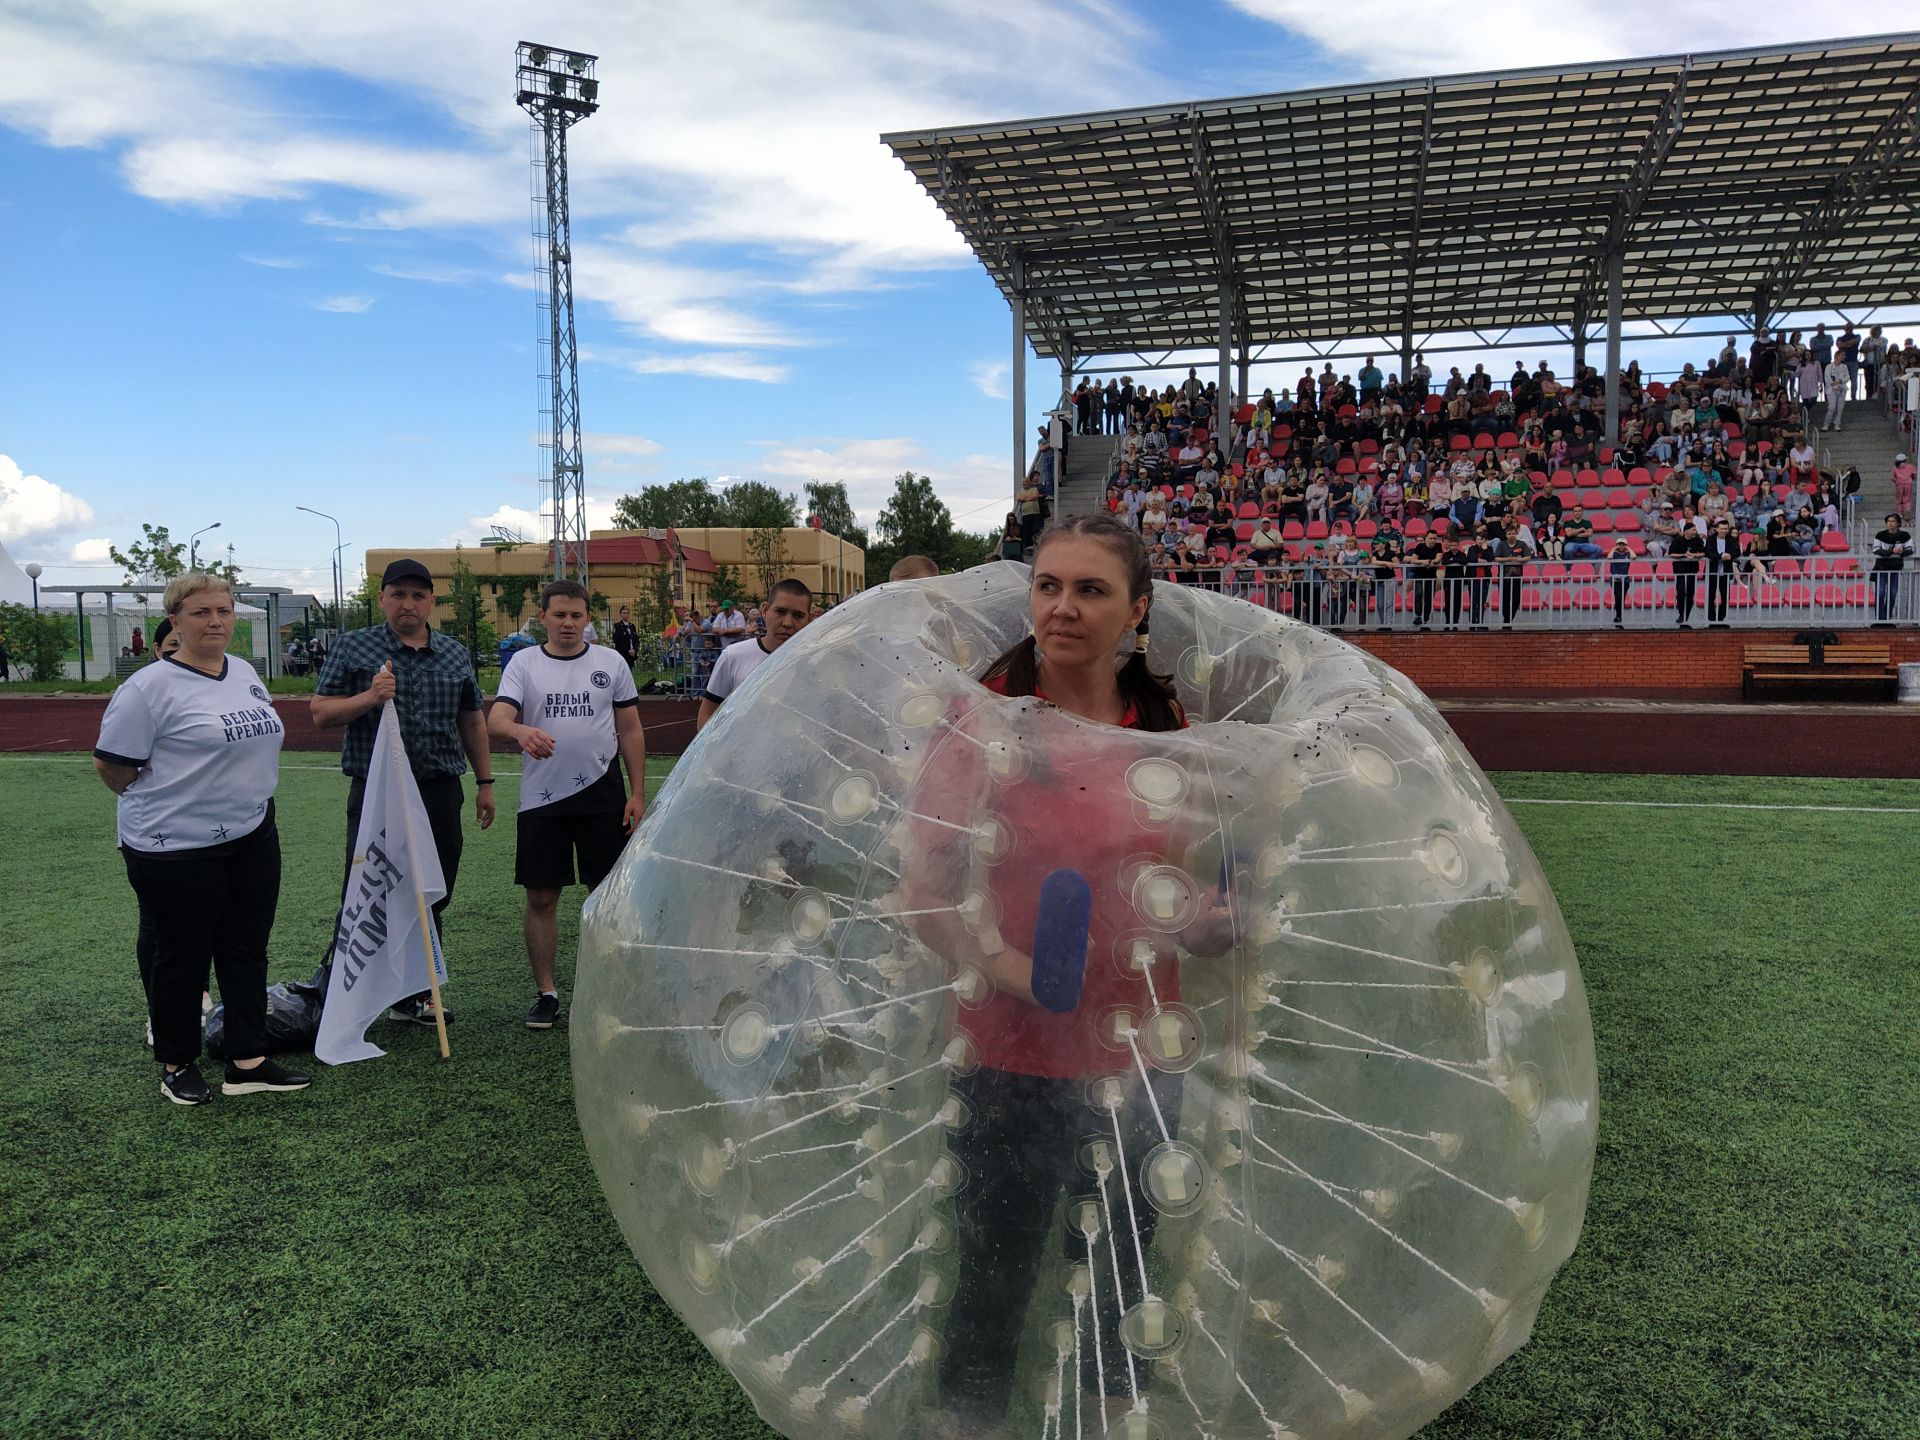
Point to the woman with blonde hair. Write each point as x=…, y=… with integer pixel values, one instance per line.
x=191, y=746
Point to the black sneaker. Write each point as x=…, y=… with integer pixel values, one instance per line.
x=184, y=1086
x=267, y=1075
x=418, y=1011
x=546, y=1010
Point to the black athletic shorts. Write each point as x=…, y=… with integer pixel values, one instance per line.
x=547, y=845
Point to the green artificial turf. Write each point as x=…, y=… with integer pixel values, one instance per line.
x=418, y=1248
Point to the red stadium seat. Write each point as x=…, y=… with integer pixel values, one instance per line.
x=1639, y=477
x=1347, y=412
x=1345, y=465
x=1366, y=530
x=1368, y=447
x=1606, y=454
x=1829, y=594
x=1508, y=440
x=1833, y=540
x=1736, y=448
x=1293, y=530
x=1316, y=530
x=1611, y=477
x=1459, y=442
x=1858, y=594
x=1483, y=441
x=1439, y=525
x=1740, y=597
x=1244, y=414
x=1782, y=490
x=1733, y=430
x=1244, y=530
x=1587, y=478
x=1249, y=510
x=1620, y=498
x=1786, y=567
x=1563, y=480
x=1765, y=447
x=1635, y=545
x=1588, y=597
x=1602, y=522
x=1283, y=431
x=1531, y=598
x=1593, y=497
x=1626, y=520
x=1416, y=527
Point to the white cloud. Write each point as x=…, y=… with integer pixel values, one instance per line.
x=990, y=378
x=1402, y=38
x=31, y=505
x=275, y=262
x=429, y=272
x=632, y=446
x=91, y=552
x=508, y=519
x=976, y=488
x=712, y=365
x=343, y=304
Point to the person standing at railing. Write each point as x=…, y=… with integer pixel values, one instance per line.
x=1423, y=566
x=1453, y=578
x=1891, y=547
x=1384, y=588
x=1873, y=354
x=1685, y=555
x=1723, y=558
x=1620, y=576
x=1512, y=552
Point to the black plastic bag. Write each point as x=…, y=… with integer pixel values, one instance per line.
x=293, y=1018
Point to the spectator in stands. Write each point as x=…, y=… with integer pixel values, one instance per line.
x=1835, y=378
x=1803, y=463
x=1619, y=572
x=1873, y=356
x=1423, y=568
x=1685, y=554
x=1344, y=567
x=1846, y=350
x=1030, y=516
x=1317, y=494
x=1550, y=538
x=1902, y=478
x=1370, y=380
x=1389, y=499
x=1722, y=550
x=1578, y=537
x=1362, y=499
x=1386, y=556
x=1309, y=579
x=1115, y=408
x=1267, y=546
x=1891, y=547
x=1713, y=503
x=1453, y=578
x=1513, y=551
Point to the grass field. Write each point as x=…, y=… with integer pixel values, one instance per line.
x=414, y=1248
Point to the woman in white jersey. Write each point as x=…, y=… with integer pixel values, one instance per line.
x=191, y=745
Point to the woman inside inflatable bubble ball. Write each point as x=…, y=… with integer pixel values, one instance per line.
x=1035, y=1131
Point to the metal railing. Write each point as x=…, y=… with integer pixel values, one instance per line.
x=1764, y=593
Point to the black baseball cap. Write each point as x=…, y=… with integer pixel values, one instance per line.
x=406, y=570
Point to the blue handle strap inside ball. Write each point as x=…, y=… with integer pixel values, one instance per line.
x=1060, y=940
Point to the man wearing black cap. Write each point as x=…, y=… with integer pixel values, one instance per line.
x=430, y=679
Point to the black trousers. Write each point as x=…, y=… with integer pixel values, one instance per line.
x=1022, y=1151
x=1684, y=589
x=1422, y=600
x=1719, y=582
x=1454, y=590
x=1509, y=598
x=1477, y=591
x=444, y=799
x=1619, y=600
x=209, y=910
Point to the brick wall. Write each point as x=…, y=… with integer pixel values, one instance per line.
x=1631, y=664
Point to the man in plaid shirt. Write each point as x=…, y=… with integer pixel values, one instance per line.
x=429, y=677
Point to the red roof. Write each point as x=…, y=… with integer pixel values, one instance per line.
x=641, y=550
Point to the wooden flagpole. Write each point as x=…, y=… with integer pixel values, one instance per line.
x=433, y=971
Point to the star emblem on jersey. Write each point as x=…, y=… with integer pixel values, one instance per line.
x=546, y=795
x=601, y=680
x=579, y=781
x=219, y=832
x=159, y=839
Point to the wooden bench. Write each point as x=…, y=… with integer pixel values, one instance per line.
x=1770, y=667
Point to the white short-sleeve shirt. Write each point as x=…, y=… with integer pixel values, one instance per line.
x=207, y=749
x=733, y=667
x=572, y=698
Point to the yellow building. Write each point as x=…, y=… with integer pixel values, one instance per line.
x=829, y=566
x=624, y=566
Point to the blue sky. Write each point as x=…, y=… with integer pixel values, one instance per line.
x=258, y=256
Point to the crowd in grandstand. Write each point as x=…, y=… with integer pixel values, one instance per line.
x=1346, y=497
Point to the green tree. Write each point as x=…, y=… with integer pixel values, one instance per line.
x=38, y=643
x=469, y=624
x=675, y=505
x=726, y=583
x=754, y=505
x=827, y=502
x=515, y=591
x=769, y=557
x=156, y=556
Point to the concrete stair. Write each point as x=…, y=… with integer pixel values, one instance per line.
x=1868, y=439
x=1084, y=486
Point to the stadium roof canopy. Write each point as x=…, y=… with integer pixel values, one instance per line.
x=1750, y=182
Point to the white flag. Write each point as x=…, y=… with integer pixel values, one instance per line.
x=379, y=950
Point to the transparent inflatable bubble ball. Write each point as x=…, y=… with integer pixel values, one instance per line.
x=955, y=1066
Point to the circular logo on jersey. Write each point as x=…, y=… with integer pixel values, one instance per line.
x=601, y=679
x=257, y=692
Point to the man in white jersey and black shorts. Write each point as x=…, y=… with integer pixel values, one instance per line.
x=785, y=612
x=573, y=710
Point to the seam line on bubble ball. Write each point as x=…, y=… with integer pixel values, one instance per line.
x=1454, y=1067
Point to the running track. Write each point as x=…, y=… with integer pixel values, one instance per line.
x=1605, y=737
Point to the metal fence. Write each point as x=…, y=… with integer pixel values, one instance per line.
x=1776, y=594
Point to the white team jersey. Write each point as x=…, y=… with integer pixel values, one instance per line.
x=207, y=749
x=573, y=700
x=735, y=664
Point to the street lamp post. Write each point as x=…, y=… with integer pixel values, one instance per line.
x=193, y=545
x=339, y=614
x=33, y=573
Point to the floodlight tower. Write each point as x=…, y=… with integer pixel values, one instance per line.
x=558, y=89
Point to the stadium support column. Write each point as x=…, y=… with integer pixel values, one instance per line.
x=1615, y=258
x=1223, y=421
x=1019, y=381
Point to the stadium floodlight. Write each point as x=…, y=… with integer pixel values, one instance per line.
x=558, y=89
x=34, y=572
